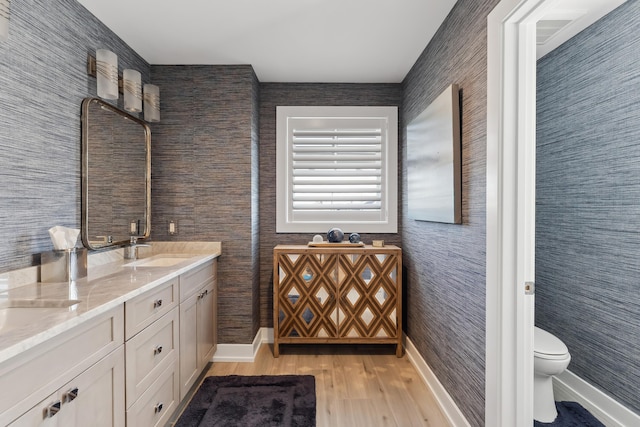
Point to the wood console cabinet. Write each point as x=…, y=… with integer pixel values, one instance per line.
x=347, y=294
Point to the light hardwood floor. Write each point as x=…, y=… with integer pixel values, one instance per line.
x=355, y=385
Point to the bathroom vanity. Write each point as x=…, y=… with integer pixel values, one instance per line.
x=120, y=347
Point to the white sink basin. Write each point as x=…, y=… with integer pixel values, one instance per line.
x=156, y=261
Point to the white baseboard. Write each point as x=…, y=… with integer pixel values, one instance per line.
x=569, y=387
x=446, y=403
x=243, y=352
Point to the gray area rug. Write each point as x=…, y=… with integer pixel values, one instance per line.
x=571, y=414
x=247, y=401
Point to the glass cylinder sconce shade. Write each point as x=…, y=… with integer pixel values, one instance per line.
x=4, y=19
x=107, y=74
x=151, y=103
x=132, y=87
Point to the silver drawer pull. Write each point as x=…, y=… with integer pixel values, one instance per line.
x=158, y=408
x=157, y=350
x=52, y=409
x=157, y=303
x=70, y=395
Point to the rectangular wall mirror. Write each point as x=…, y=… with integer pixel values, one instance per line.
x=116, y=175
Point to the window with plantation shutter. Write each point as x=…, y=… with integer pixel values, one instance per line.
x=337, y=167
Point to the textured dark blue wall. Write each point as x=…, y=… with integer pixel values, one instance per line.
x=43, y=80
x=446, y=263
x=588, y=201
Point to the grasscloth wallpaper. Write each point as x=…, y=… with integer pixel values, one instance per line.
x=204, y=176
x=43, y=80
x=446, y=263
x=588, y=201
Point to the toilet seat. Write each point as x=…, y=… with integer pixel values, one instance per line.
x=548, y=346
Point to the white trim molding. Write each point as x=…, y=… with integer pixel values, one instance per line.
x=569, y=387
x=243, y=352
x=445, y=401
x=511, y=89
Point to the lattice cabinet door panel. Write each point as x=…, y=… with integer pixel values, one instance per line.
x=337, y=295
x=368, y=293
x=306, y=297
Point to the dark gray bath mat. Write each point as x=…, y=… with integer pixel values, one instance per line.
x=248, y=401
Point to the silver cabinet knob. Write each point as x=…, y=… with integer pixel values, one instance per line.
x=158, y=407
x=52, y=409
x=157, y=303
x=157, y=350
x=70, y=395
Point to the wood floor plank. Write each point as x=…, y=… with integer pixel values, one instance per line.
x=356, y=385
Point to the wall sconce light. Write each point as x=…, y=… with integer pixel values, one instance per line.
x=107, y=74
x=132, y=88
x=151, y=103
x=4, y=18
x=104, y=67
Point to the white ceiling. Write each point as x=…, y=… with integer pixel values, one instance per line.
x=352, y=41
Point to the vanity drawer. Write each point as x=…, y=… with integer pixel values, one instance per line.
x=149, y=353
x=157, y=404
x=145, y=309
x=194, y=280
x=31, y=377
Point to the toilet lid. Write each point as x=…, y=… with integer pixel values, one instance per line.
x=547, y=343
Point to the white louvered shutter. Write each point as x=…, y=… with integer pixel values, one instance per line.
x=338, y=169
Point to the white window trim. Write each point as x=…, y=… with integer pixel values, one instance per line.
x=284, y=223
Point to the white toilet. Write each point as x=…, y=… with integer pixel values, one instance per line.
x=550, y=357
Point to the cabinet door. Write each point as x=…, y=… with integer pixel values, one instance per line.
x=306, y=295
x=206, y=327
x=94, y=398
x=368, y=295
x=188, y=343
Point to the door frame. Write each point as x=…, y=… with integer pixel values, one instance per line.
x=510, y=250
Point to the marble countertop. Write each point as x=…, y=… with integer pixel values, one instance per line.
x=109, y=283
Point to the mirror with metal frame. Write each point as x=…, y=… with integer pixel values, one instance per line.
x=116, y=175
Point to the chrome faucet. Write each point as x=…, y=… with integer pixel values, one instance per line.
x=131, y=251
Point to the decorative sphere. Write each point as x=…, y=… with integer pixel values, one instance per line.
x=335, y=235
x=354, y=238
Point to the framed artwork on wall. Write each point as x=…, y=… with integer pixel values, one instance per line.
x=434, y=173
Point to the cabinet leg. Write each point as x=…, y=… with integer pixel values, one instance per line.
x=276, y=350
x=399, y=350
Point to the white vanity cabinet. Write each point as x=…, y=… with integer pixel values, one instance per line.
x=88, y=361
x=198, y=322
x=151, y=353
x=114, y=364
